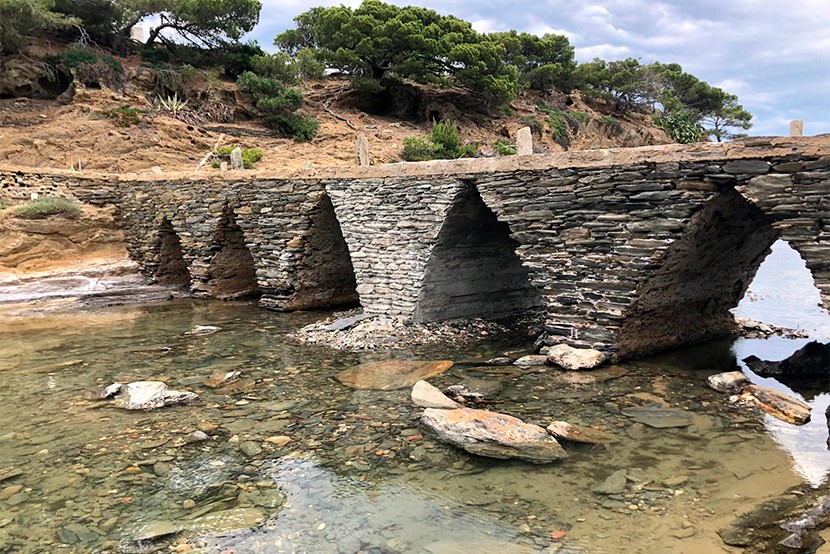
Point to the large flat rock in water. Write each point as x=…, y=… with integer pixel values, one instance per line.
x=391, y=374
x=493, y=435
x=660, y=417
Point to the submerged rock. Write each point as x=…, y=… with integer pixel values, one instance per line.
x=777, y=404
x=221, y=377
x=391, y=374
x=660, y=417
x=155, y=530
x=203, y=330
x=531, y=360
x=613, y=484
x=493, y=435
x=731, y=382
x=568, y=357
x=426, y=396
x=149, y=395
x=591, y=377
x=809, y=362
x=578, y=433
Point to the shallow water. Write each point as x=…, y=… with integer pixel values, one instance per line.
x=357, y=474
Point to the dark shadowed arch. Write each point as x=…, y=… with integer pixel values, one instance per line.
x=703, y=275
x=172, y=268
x=232, y=272
x=473, y=270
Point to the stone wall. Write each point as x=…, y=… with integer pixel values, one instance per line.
x=629, y=250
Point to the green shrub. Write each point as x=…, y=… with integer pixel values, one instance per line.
x=125, y=116
x=277, y=105
x=504, y=148
x=279, y=66
x=612, y=121
x=443, y=143
x=308, y=66
x=3, y=205
x=682, y=126
x=416, y=149
x=91, y=67
x=47, y=206
x=249, y=156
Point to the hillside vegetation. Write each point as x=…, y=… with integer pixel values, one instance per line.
x=96, y=99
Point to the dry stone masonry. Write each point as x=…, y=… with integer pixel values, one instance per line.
x=627, y=250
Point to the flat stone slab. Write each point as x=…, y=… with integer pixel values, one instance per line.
x=493, y=435
x=660, y=417
x=578, y=433
x=346, y=322
x=391, y=374
x=777, y=404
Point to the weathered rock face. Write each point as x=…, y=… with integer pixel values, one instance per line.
x=426, y=396
x=568, y=357
x=391, y=374
x=493, y=435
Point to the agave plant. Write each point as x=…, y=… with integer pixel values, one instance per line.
x=172, y=104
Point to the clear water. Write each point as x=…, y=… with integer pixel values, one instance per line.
x=356, y=475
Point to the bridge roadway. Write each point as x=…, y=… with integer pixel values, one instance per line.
x=626, y=250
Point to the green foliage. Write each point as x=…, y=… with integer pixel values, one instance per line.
x=125, y=116
x=443, y=143
x=308, y=66
x=560, y=121
x=249, y=156
x=682, y=126
x=20, y=19
x=382, y=41
x=504, y=148
x=91, y=67
x=3, y=205
x=277, y=105
x=279, y=66
x=209, y=23
x=544, y=63
x=612, y=121
x=416, y=149
x=47, y=206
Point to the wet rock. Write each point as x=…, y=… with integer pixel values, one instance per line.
x=613, y=484
x=149, y=395
x=531, y=360
x=251, y=448
x=777, y=404
x=591, y=377
x=110, y=391
x=391, y=374
x=156, y=530
x=479, y=547
x=347, y=322
x=221, y=377
x=493, y=435
x=500, y=360
x=426, y=396
x=809, y=362
x=9, y=473
x=578, y=433
x=660, y=417
x=731, y=382
x=229, y=520
x=278, y=441
x=568, y=357
x=203, y=330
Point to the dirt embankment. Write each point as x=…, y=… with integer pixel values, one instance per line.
x=75, y=131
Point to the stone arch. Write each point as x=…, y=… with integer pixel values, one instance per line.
x=324, y=274
x=172, y=268
x=231, y=271
x=700, y=278
x=473, y=270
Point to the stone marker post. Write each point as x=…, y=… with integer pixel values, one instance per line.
x=797, y=128
x=524, y=142
x=236, y=158
x=361, y=150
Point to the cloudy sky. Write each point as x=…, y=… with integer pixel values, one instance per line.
x=774, y=54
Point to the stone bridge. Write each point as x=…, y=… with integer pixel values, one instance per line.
x=626, y=250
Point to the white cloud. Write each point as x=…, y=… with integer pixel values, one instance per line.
x=605, y=51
